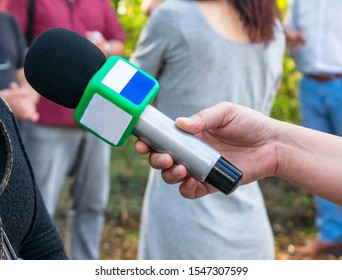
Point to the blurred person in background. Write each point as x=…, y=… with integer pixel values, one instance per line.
x=13, y=86
x=202, y=53
x=57, y=147
x=2, y=4
x=314, y=36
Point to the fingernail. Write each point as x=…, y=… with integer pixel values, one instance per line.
x=185, y=120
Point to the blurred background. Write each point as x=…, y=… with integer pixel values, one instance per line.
x=290, y=209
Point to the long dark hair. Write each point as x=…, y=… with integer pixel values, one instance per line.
x=258, y=17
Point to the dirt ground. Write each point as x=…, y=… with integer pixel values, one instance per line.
x=290, y=209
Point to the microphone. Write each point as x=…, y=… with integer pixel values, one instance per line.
x=112, y=100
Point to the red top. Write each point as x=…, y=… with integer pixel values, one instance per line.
x=77, y=15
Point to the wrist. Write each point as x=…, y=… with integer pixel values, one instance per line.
x=285, y=147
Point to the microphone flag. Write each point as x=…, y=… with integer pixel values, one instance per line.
x=119, y=91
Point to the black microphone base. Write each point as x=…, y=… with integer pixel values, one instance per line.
x=224, y=176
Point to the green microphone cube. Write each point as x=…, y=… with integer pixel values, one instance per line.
x=114, y=99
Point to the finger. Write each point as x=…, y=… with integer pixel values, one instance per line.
x=34, y=117
x=13, y=86
x=174, y=174
x=161, y=161
x=212, y=117
x=141, y=147
x=192, y=188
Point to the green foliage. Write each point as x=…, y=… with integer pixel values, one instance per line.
x=132, y=20
x=286, y=105
x=282, y=5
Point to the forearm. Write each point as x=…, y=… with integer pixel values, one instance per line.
x=310, y=159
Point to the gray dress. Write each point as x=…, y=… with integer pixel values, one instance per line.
x=197, y=68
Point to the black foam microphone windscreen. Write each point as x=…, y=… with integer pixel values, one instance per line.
x=59, y=65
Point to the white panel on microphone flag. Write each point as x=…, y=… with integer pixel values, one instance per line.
x=97, y=114
x=128, y=81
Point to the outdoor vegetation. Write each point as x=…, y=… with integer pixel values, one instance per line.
x=290, y=208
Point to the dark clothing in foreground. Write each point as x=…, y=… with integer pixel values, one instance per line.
x=23, y=215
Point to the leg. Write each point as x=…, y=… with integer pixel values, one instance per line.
x=314, y=112
x=90, y=192
x=330, y=219
x=320, y=106
x=51, y=151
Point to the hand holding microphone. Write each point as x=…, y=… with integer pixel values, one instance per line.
x=112, y=100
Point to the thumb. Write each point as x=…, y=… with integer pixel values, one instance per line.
x=209, y=118
x=191, y=124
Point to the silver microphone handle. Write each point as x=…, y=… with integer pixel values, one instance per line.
x=201, y=160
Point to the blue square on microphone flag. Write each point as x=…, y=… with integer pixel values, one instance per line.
x=129, y=82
